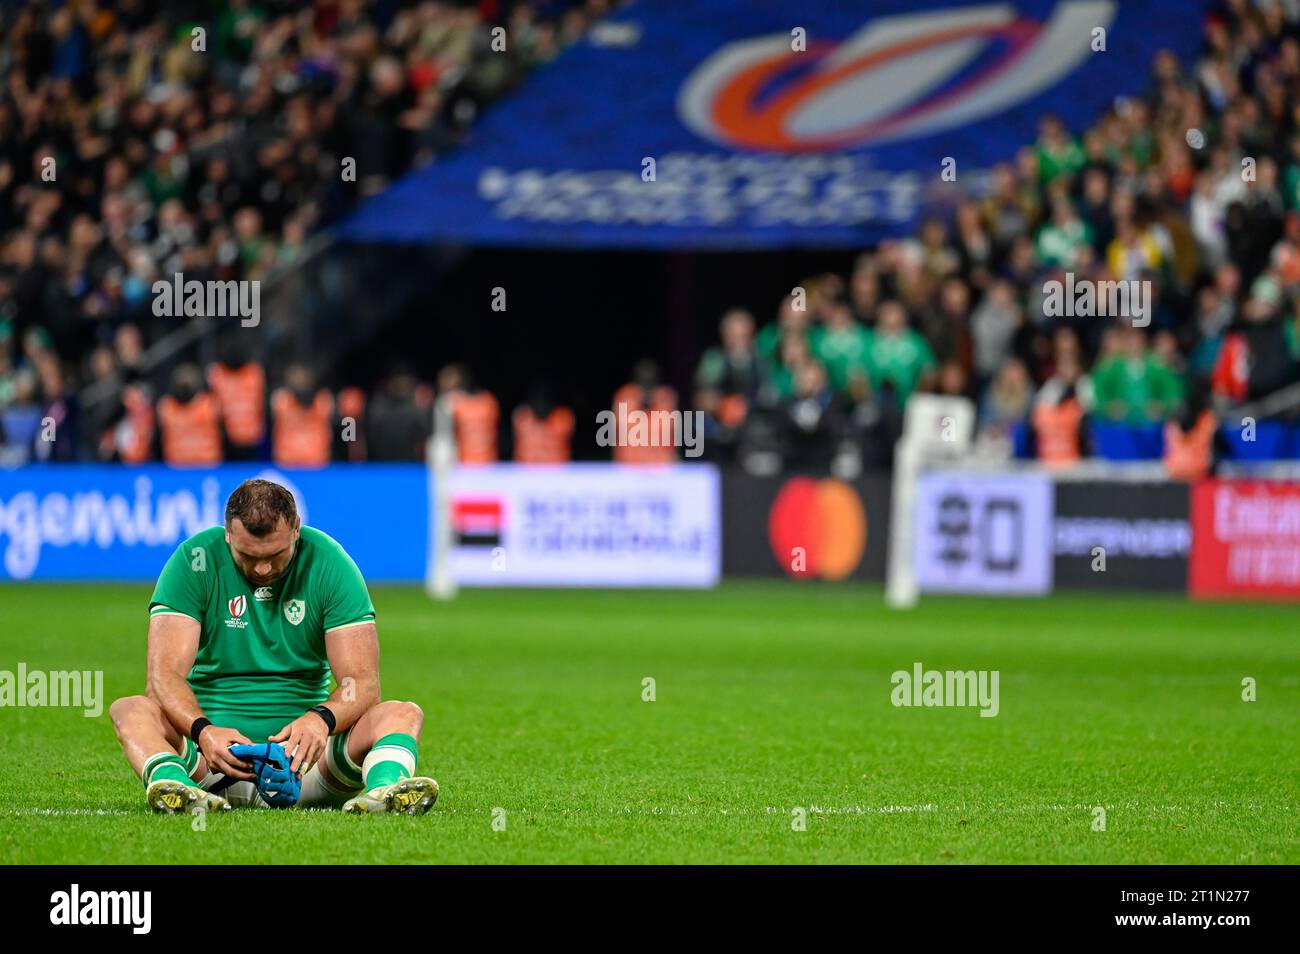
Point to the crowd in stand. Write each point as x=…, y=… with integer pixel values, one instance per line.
x=139, y=140
x=1192, y=189
x=229, y=411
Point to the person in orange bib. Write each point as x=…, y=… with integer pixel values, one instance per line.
x=645, y=393
x=543, y=432
x=352, y=420
x=1056, y=427
x=134, y=434
x=475, y=415
x=239, y=385
x=1191, y=438
x=302, y=420
x=189, y=421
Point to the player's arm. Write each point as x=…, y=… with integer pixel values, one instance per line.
x=173, y=644
x=353, y=653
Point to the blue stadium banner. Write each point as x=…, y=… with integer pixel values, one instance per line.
x=762, y=124
x=122, y=523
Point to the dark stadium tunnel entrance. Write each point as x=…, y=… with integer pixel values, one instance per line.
x=577, y=321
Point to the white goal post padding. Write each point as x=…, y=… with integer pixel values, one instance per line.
x=440, y=458
x=935, y=428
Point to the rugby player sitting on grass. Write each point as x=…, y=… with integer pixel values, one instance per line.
x=245, y=626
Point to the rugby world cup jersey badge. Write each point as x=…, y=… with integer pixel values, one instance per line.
x=294, y=611
x=237, y=605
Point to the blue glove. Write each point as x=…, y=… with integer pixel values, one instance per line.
x=278, y=786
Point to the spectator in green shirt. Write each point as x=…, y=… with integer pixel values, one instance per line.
x=779, y=377
x=727, y=377
x=843, y=348
x=1291, y=177
x=1058, y=153
x=1134, y=385
x=789, y=320
x=899, y=358
x=731, y=367
x=1060, y=241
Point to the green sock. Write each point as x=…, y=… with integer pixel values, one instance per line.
x=165, y=765
x=391, y=759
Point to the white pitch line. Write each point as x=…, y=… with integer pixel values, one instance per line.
x=546, y=810
x=62, y=812
x=673, y=811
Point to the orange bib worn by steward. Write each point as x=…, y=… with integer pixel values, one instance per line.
x=1057, y=429
x=302, y=435
x=1189, y=454
x=631, y=398
x=541, y=440
x=475, y=417
x=352, y=414
x=135, y=432
x=191, y=433
x=241, y=395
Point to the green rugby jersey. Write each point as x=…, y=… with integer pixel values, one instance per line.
x=261, y=661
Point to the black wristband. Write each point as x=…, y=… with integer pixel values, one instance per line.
x=326, y=715
x=197, y=728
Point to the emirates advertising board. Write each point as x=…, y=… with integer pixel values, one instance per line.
x=1245, y=540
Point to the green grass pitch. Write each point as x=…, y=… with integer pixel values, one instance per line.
x=769, y=697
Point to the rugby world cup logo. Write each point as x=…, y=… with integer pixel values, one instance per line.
x=897, y=78
x=237, y=606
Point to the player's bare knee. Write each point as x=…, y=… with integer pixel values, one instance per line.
x=400, y=716
x=415, y=714
x=130, y=710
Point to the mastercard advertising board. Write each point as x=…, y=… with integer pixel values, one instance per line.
x=805, y=528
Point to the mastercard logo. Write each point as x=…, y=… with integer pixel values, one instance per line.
x=817, y=528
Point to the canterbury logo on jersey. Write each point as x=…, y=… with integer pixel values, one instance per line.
x=262, y=594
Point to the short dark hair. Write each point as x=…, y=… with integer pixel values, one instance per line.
x=259, y=505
